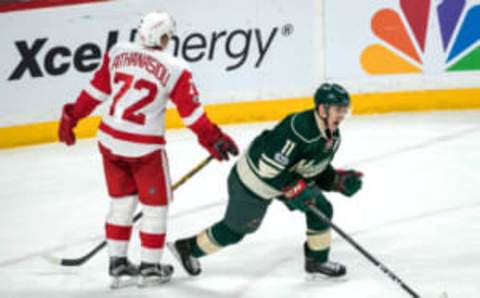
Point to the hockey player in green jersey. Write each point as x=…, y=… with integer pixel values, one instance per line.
x=291, y=163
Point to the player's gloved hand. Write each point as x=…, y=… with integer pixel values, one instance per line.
x=212, y=138
x=348, y=182
x=299, y=196
x=219, y=144
x=67, y=124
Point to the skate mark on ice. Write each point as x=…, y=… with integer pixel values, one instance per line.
x=407, y=149
x=255, y=279
x=378, y=157
x=98, y=238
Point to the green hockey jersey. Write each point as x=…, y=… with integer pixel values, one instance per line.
x=297, y=147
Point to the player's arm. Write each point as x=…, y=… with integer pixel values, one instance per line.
x=283, y=152
x=347, y=182
x=185, y=96
x=97, y=91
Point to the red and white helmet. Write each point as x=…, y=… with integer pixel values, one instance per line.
x=153, y=26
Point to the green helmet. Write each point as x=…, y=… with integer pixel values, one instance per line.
x=331, y=94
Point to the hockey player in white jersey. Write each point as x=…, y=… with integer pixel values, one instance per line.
x=138, y=79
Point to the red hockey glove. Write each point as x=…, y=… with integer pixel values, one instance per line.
x=224, y=146
x=299, y=196
x=219, y=144
x=348, y=182
x=67, y=123
x=212, y=138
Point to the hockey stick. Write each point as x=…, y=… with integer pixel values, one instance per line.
x=81, y=260
x=365, y=253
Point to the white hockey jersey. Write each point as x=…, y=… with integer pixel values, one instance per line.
x=138, y=82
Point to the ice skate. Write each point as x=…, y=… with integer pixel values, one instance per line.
x=182, y=252
x=123, y=272
x=324, y=269
x=318, y=269
x=154, y=274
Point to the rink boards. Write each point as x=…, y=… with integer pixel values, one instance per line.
x=257, y=64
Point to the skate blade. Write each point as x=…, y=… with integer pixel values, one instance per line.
x=123, y=282
x=152, y=281
x=309, y=277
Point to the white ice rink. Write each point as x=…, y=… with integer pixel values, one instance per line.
x=419, y=213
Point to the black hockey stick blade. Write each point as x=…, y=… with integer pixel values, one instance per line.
x=81, y=260
x=75, y=262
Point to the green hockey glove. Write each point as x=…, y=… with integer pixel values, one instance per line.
x=299, y=196
x=348, y=182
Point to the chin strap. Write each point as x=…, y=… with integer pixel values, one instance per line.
x=325, y=122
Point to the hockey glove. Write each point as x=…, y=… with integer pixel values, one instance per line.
x=299, y=196
x=212, y=138
x=67, y=123
x=219, y=145
x=348, y=182
x=224, y=146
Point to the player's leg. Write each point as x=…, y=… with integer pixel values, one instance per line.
x=244, y=214
x=153, y=181
x=317, y=246
x=118, y=226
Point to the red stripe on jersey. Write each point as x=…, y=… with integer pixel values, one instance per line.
x=33, y=4
x=131, y=137
x=152, y=241
x=115, y=232
x=185, y=95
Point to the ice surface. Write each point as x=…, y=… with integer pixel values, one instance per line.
x=418, y=213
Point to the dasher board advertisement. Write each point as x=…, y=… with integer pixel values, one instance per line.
x=403, y=44
x=237, y=50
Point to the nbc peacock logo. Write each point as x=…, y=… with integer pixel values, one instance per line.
x=403, y=37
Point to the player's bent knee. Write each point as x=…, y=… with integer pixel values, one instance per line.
x=315, y=223
x=326, y=207
x=244, y=226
